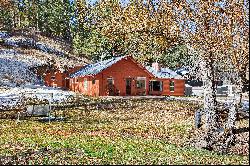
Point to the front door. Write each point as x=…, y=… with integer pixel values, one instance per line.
x=128, y=86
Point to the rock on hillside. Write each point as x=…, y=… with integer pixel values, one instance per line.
x=22, y=51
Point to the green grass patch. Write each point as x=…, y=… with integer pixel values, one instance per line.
x=137, y=136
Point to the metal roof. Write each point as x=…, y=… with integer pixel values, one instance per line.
x=93, y=69
x=182, y=71
x=163, y=73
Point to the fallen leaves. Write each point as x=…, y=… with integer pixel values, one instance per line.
x=126, y=132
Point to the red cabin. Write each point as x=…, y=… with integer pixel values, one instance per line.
x=123, y=76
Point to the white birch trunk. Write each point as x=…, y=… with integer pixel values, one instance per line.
x=234, y=106
x=209, y=96
x=209, y=107
x=232, y=115
x=210, y=103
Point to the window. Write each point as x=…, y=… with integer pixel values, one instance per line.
x=77, y=80
x=93, y=81
x=85, y=84
x=171, y=86
x=53, y=77
x=110, y=81
x=155, y=85
x=141, y=83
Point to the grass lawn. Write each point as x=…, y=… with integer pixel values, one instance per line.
x=132, y=132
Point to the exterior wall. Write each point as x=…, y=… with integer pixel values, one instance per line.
x=166, y=87
x=179, y=88
x=60, y=78
x=123, y=69
x=57, y=82
x=77, y=85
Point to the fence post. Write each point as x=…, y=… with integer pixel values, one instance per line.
x=198, y=118
x=50, y=108
x=52, y=97
x=18, y=117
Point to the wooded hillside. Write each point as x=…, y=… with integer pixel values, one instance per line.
x=147, y=30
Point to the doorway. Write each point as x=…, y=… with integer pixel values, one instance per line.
x=110, y=84
x=128, y=86
x=67, y=83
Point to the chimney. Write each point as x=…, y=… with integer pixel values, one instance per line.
x=156, y=66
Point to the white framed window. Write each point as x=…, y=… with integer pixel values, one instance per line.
x=85, y=84
x=53, y=77
x=171, y=86
x=155, y=85
x=141, y=82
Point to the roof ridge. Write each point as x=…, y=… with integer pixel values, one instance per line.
x=97, y=67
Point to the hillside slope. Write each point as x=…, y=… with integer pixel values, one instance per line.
x=23, y=51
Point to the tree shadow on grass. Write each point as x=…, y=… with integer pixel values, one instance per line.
x=241, y=130
x=8, y=114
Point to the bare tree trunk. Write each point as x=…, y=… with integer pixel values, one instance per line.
x=210, y=110
x=14, y=19
x=232, y=115
x=233, y=111
x=210, y=103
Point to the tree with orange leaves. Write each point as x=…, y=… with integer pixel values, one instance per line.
x=219, y=35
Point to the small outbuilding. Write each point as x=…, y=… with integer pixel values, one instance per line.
x=119, y=76
x=58, y=78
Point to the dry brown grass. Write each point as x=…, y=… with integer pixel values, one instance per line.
x=149, y=131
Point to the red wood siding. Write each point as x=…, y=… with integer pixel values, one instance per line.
x=179, y=87
x=57, y=82
x=78, y=86
x=60, y=77
x=123, y=69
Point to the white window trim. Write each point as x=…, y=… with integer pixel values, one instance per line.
x=111, y=78
x=85, y=83
x=171, y=86
x=54, y=77
x=142, y=78
x=161, y=85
